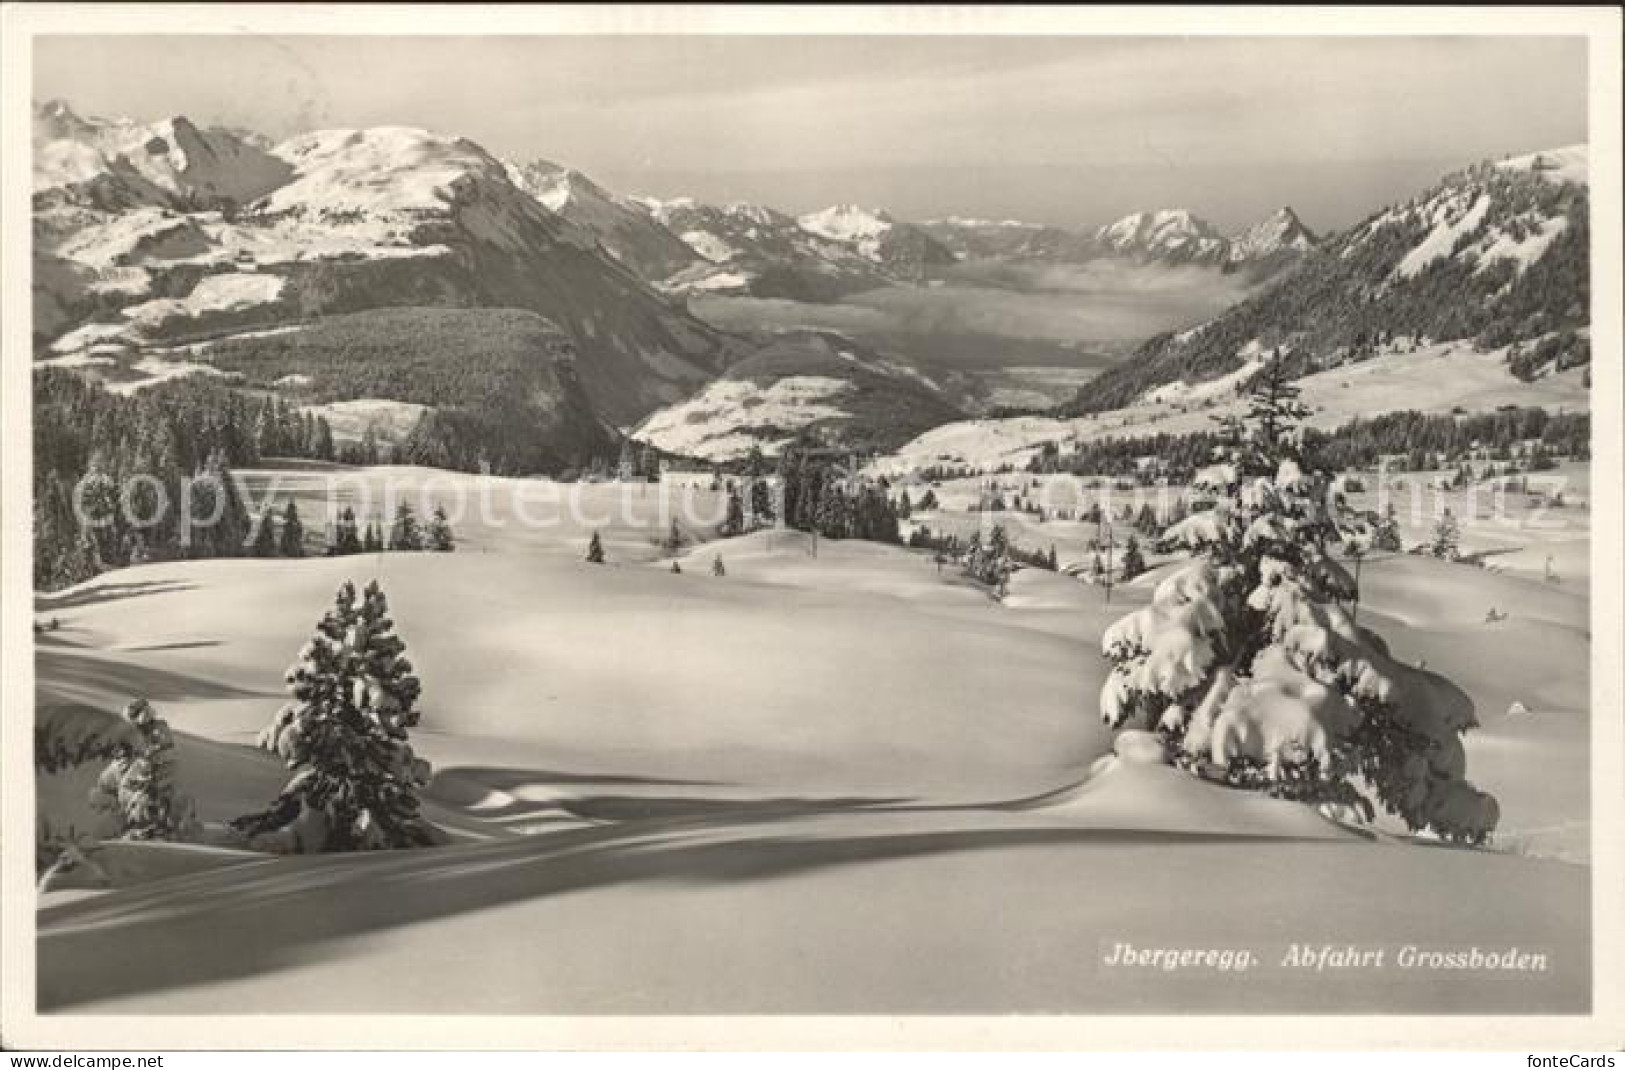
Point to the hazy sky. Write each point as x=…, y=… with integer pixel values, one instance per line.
x=1062, y=130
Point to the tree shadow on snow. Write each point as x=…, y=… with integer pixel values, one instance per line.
x=206, y=928
x=106, y=592
x=508, y=777
x=81, y=675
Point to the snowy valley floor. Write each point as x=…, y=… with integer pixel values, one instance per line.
x=839, y=784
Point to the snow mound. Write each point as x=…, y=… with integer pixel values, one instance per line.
x=1139, y=747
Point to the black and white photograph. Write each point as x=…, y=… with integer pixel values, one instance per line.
x=665, y=518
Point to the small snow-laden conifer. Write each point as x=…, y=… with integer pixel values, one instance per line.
x=439, y=537
x=1446, y=542
x=291, y=543
x=265, y=541
x=137, y=788
x=762, y=511
x=346, y=537
x=344, y=735
x=734, y=522
x=404, y=533
x=1252, y=672
x=1133, y=559
x=1385, y=533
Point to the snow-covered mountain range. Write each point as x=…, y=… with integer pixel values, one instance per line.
x=1495, y=254
x=753, y=249
x=162, y=235
x=1471, y=296
x=622, y=226
x=1179, y=236
x=166, y=248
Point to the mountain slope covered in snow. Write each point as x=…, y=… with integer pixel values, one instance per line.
x=808, y=386
x=354, y=220
x=1496, y=255
x=756, y=250
x=624, y=228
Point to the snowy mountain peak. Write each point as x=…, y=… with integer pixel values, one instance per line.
x=1176, y=235
x=555, y=185
x=56, y=119
x=1162, y=228
x=167, y=163
x=655, y=206
x=1282, y=230
x=759, y=214
x=847, y=222
x=381, y=168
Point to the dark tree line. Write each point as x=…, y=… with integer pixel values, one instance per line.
x=111, y=474
x=1418, y=440
x=819, y=498
x=130, y=461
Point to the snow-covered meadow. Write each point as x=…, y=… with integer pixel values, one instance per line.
x=836, y=779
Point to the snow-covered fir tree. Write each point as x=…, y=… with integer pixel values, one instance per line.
x=220, y=521
x=346, y=537
x=404, y=532
x=733, y=522
x=762, y=512
x=1252, y=672
x=344, y=735
x=137, y=788
x=265, y=542
x=1385, y=532
x=1133, y=559
x=439, y=537
x=1446, y=541
x=292, y=540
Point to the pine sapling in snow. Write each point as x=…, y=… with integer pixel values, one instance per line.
x=734, y=521
x=1385, y=533
x=292, y=540
x=439, y=537
x=1446, y=543
x=1133, y=559
x=1253, y=674
x=344, y=735
x=404, y=533
x=138, y=786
